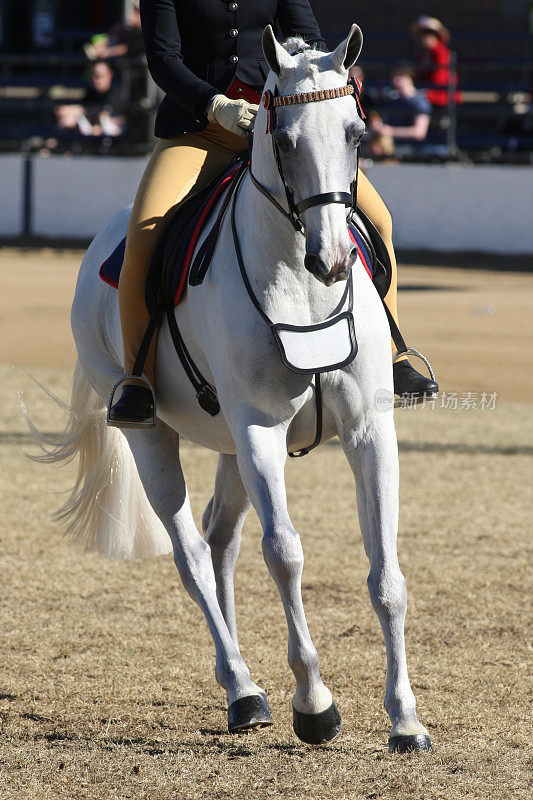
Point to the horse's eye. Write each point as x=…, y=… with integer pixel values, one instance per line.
x=354, y=134
x=284, y=142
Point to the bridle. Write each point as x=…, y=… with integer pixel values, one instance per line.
x=272, y=101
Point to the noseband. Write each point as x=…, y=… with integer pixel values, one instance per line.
x=272, y=101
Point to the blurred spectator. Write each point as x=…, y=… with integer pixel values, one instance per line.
x=406, y=111
x=367, y=98
x=98, y=113
x=374, y=144
x=519, y=127
x=433, y=65
x=124, y=39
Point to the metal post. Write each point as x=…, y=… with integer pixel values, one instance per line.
x=27, y=198
x=451, y=133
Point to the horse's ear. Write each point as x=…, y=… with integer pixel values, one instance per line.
x=348, y=51
x=276, y=55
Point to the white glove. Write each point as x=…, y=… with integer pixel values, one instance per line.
x=236, y=116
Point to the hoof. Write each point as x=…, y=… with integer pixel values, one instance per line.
x=410, y=744
x=249, y=712
x=317, y=728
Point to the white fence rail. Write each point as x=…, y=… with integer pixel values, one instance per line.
x=434, y=207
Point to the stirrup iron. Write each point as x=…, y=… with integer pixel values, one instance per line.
x=411, y=351
x=141, y=380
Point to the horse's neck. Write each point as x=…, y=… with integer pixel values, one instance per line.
x=274, y=253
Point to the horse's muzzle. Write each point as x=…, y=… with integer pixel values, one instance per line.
x=339, y=272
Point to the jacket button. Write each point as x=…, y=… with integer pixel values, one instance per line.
x=233, y=6
x=234, y=32
x=234, y=59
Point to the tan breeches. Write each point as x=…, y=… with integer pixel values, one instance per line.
x=373, y=206
x=176, y=168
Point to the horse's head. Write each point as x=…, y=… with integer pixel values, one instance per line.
x=316, y=143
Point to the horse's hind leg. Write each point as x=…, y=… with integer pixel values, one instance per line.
x=374, y=460
x=222, y=523
x=157, y=458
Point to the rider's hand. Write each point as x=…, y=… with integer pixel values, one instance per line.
x=236, y=116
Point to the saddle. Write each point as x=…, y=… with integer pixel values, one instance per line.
x=171, y=261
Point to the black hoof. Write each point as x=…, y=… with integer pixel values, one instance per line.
x=317, y=728
x=420, y=742
x=249, y=712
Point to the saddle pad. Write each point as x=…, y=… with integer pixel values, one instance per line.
x=362, y=249
x=112, y=266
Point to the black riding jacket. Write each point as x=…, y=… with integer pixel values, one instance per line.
x=195, y=48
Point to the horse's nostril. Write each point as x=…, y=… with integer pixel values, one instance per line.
x=315, y=265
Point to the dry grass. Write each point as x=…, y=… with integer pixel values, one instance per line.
x=106, y=669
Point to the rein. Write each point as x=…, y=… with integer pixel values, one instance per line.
x=272, y=101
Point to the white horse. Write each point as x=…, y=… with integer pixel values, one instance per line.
x=265, y=408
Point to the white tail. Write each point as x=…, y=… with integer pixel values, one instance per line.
x=107, y=511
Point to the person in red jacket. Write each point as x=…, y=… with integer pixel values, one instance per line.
x=433, y=64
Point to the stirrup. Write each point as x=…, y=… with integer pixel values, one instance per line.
x=143, y=381
x=411, y=351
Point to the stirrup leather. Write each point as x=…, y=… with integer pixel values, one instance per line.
x=141, y=380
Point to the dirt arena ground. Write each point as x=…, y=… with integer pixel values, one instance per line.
x=107, y=688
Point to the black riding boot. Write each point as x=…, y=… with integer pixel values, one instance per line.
x=407, y=381
x=134, y=409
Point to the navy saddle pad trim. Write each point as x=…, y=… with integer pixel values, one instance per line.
x=110, y=269
x=366, y=257
x=112, y=266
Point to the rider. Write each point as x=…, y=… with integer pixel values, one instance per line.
x=207, y=57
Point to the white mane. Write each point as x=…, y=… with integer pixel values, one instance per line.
x=295, y=45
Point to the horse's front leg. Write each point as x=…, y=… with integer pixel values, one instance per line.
x=373, y=456
x=261, y=455
x=158, y=464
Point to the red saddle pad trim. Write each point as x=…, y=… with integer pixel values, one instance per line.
x=106, y=278
x=213, y=198
x=361, y=254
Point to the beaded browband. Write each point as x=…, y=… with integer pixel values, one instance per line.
x=272, y=101
x=305, y=97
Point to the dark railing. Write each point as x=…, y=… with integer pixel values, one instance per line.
x=31, y=86
x=493, y=123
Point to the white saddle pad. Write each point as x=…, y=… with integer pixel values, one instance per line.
x=322, y=347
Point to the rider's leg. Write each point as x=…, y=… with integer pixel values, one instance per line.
x=406, y=379
x=177, y=167
x=375, y=209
